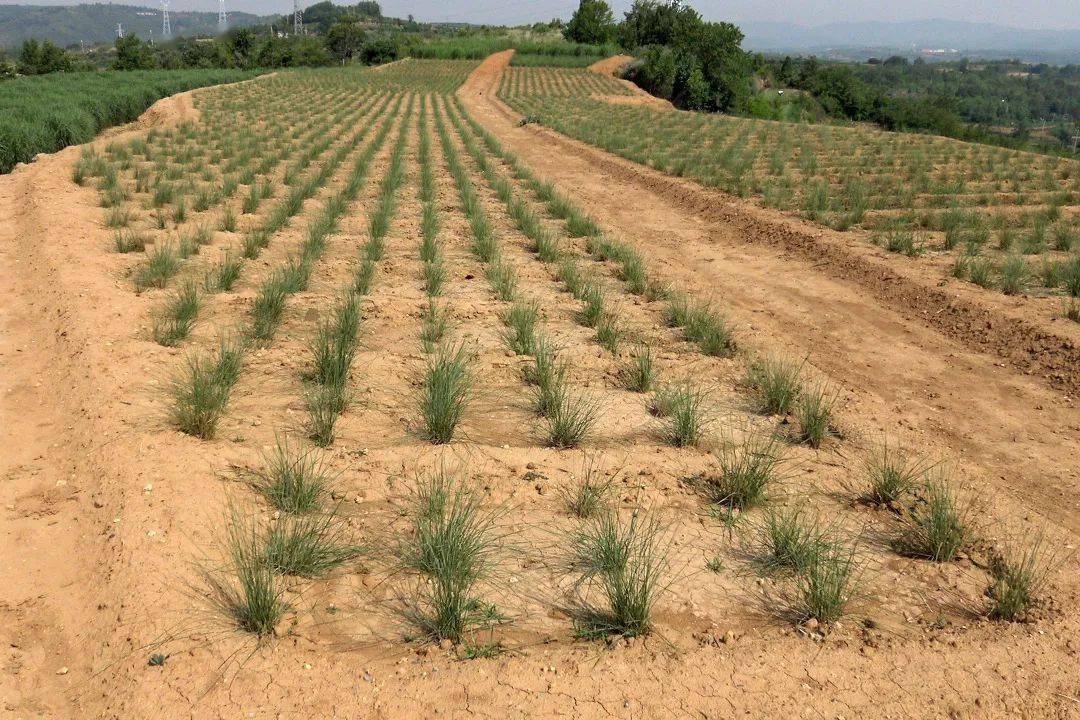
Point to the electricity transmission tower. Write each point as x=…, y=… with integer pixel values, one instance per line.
x=298, y=19
x=119, y=31
x=166, y=30
x=222, y=19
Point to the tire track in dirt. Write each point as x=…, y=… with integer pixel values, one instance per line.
x=888, y=340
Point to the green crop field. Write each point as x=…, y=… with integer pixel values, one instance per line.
x=47, y=113
x=1009, y=219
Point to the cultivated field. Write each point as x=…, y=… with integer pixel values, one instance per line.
x=357, y=393
x=1001, y=219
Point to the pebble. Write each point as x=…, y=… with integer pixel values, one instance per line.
x=62, y=671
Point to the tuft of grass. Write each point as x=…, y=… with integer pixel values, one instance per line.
x=309, y=546
x=175, y=323
x=827, y=587
x=521, y=321
x=626, y=563
x=436, y=324
x=228, y=221
x=325, y=403
x=609, y=333
x=890, y=475
x=129, y=241
x=249, y=593
x=744, y=473
x=548, y=373
x=222, y=276
x=638, y=374
x=201, y=392
x=776, y=383
x=434, y=277
x=454, y=545
x=503, y=279
x=267, y=310
x=588, y=495
x=1014, y=275
x=162, y=263
x=595, y=298
x=118, y=217
x=813, y=410
x=1019, y=576
x=446, y=393
x=792, y=540
x=293, y=480
x=938, y=526
x=686, y=418
x=570, y=419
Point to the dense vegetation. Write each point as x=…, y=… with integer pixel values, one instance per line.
x=996, y=102
x=46, y=114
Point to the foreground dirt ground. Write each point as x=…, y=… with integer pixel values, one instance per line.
x=105, y=508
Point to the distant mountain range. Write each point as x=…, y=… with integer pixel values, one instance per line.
x=71, y=24
x=915, y=36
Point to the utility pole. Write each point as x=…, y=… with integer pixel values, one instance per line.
x=166, y=30
x=222, y=19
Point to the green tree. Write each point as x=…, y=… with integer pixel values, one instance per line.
x=133, y=54
x=345, y=38
x=593, y=23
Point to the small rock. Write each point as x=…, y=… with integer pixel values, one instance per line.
x=811, y=624
x=445, y=644
x=62, y=671
x=729, y=638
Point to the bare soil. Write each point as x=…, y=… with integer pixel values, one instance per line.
x=106, y=508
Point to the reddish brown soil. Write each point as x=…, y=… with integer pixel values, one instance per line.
x=105, y=507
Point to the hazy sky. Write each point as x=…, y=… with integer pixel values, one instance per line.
x=1056, y=14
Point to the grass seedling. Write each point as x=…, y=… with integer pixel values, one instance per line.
x=685, y=420
x=434, y=277
x=792, y=540
x=175, y=324
x=744, y=473
x=129, y=241
x=938, y=526
x=827, y=586
x=446, y=393
x=503, y=279
x=890, y=475
x=293, y=480
x=813, y=410
x=435, y=326
x=638, y=375
x=325, y=403
x=587, y=495
x=222, y=276
x=776, y=384
x=521, y=321
x=571, y=419
x=1019, y=576
x=609, y=333
x=309, y=546
x=1014, y=275
x=250, y=595
x=201, y=392
x=454, y=544
x=162, y=263
x=626, y=562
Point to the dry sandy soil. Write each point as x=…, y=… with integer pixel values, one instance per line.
x=106, y=508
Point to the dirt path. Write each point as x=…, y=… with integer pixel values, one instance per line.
x=909, y=357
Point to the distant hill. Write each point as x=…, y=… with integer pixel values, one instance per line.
x=915, y=36
x=70, y=24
